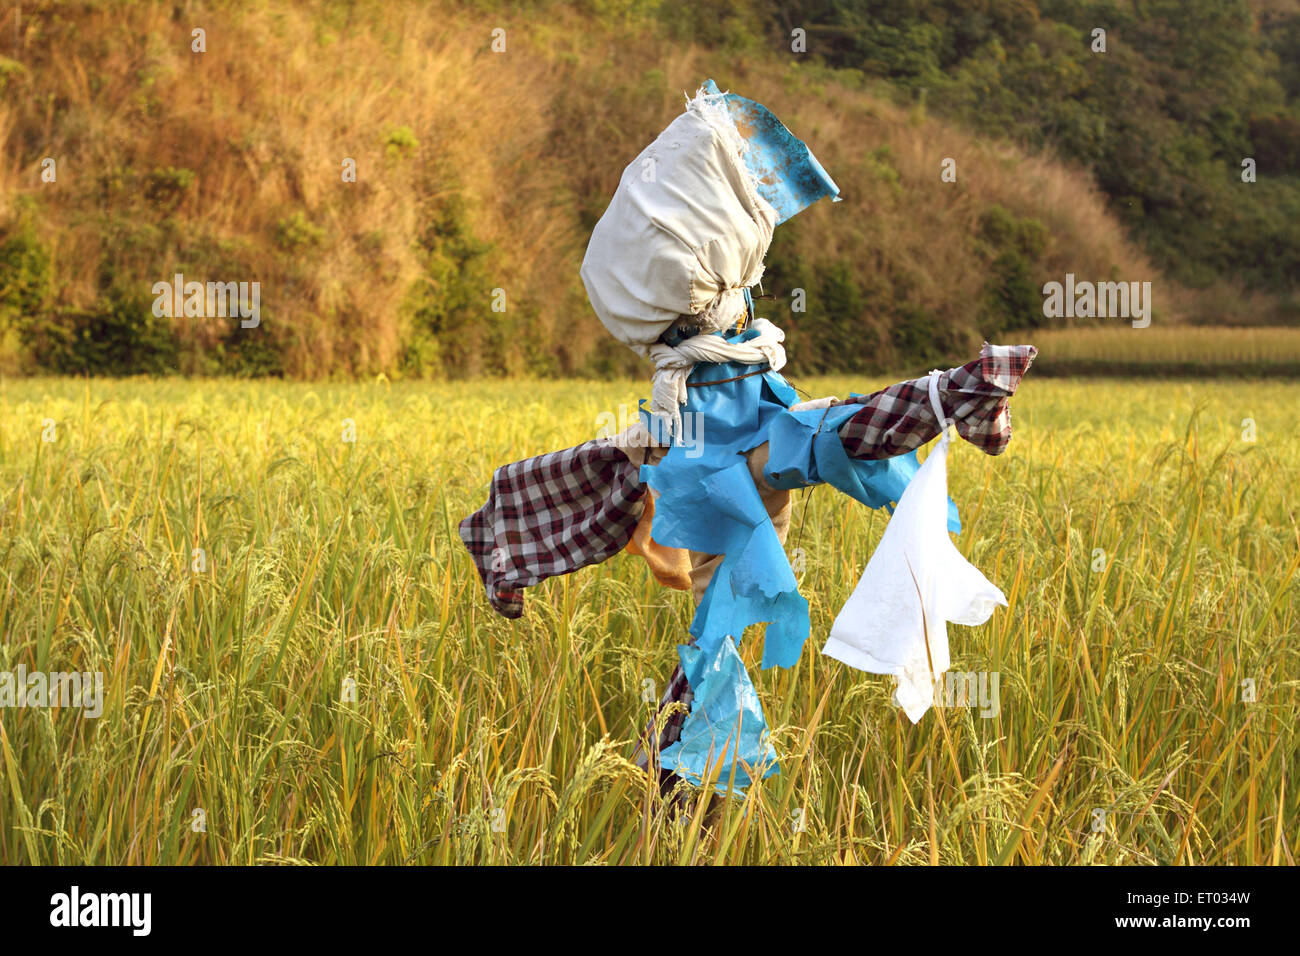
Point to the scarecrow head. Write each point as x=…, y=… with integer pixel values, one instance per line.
x=684, y=237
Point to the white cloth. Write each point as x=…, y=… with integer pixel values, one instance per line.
x=895, y=622
x=685, y=233
x=674, y=365
x=830, y=401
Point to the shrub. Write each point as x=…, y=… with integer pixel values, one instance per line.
x=451, y=292
x=120, y=335
x=165, y=187
x=296, y=232
x=1014, y=247
x=399, y=142
x=24, y=291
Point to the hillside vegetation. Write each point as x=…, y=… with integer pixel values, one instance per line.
x=479, y=175
x=1164, y=101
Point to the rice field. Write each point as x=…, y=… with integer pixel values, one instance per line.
x=1170, y=350
x=299, y=665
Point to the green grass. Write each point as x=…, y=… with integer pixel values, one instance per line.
x=1120, y=688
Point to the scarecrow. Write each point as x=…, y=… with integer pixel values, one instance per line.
x=700, y=485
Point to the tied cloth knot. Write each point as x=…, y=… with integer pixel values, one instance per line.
x=674, y=365
x=941, y=420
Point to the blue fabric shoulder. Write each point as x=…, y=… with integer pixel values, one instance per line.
x=805, y=449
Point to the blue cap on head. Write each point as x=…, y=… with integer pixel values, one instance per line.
x=787, y=173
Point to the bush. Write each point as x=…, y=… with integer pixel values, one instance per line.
x=25, y=281
x=1014, y=247
x=24, y=276
x=400, y=142
x=165, y=187
x=119, y=336
x=453, y=291
x=298, y=232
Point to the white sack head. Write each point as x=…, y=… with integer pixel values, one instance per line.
x=685, y=233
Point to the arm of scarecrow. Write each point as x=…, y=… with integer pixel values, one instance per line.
x=897, y=419
x=554, y=514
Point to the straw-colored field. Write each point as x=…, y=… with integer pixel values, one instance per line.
x=1181, y=350
x=476, y=739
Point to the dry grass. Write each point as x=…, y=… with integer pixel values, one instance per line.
x=529, y=145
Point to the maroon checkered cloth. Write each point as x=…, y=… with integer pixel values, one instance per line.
x=551, y=515
x=899, y=418
x=556, y=513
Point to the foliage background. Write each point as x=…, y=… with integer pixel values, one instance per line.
x=480, y=171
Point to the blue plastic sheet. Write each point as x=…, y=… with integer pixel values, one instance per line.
x=726, y=723
x=806, y=450
x=720, y=512
x=788, y=174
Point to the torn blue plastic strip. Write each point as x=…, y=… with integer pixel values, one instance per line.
x=787, y=174
x=725, y=732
